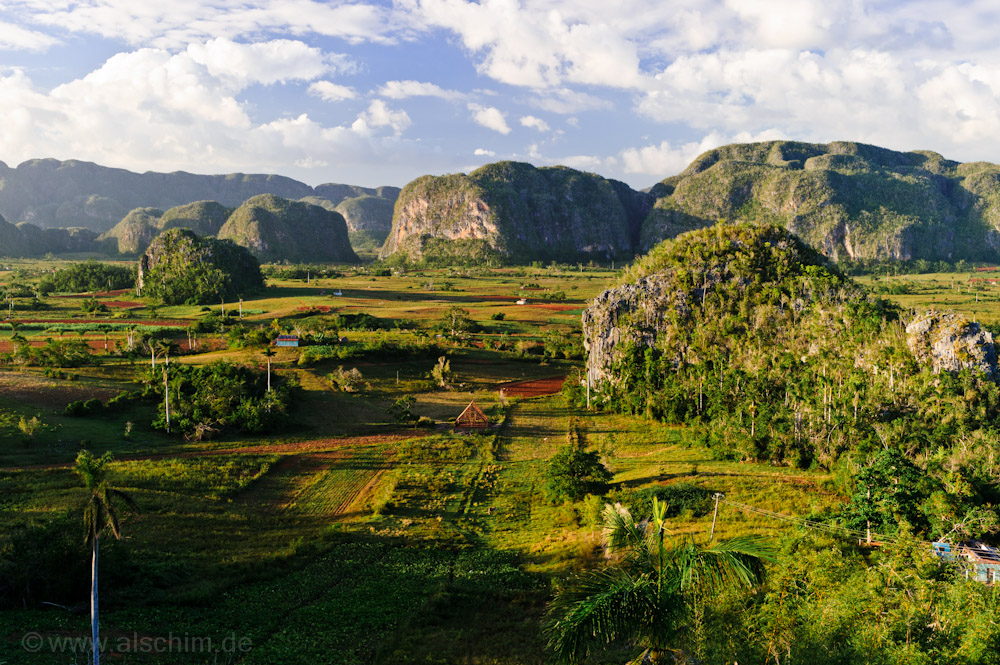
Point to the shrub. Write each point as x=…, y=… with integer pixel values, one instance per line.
x=573, y=472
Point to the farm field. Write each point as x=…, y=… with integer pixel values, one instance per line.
x=971, y=293
x=353, y=535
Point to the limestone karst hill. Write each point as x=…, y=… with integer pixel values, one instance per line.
x=745, y=331
x=515, y=212
x=50, y=194
x=848, y=200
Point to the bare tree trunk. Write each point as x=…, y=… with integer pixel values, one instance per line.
x=95, y=643
x=166, y=398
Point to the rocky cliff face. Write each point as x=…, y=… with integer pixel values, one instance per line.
x=275, y=229
x=848, y=200
x=948, y=342
x=369, y=219
x=517, y=213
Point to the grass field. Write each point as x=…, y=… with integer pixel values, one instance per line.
x=350, y=538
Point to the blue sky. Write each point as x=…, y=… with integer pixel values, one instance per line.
x=380, y=93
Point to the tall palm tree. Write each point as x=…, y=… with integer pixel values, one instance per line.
x=100, y=515
x=269, y=352
x=641, y=598
x=165, y=347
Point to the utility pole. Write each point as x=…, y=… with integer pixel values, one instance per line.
x=715, y=515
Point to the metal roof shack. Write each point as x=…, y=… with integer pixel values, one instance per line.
x=979, y=561
x=287, y=340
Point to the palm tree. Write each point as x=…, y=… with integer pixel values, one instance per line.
x=100, y=514
x=269, y=352
x=165, y=346
x=642, y=597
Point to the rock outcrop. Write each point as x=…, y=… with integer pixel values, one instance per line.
x=848, y=200
x=276, y=229
x=515, y=212
x=949, y=342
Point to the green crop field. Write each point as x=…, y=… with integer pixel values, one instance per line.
x=352, y=534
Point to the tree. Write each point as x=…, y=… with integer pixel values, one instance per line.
x=269, y=353
x=100, y=515
x=641, y=598
x=165, y=347
x=441, y=372
x=887, y=491
x=573, y=472
x=456, y=320
x=28, y=428
x=402, y=409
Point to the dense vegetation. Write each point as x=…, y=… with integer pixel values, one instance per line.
x=89, y=276
x=179, y=267
x=208, y=399
x=745, y=334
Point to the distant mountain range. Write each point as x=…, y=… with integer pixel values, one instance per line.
x=848, y=200
x=42, y=198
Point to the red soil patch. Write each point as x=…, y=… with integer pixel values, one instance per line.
x=553, y=307
x=100, y=294
x=533, y=387
x=122, y=303
x=137, y=322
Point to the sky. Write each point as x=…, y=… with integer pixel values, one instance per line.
x=379, y=93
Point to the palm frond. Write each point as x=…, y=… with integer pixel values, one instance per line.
x=621, y=532
x=601, y=607
x=736, y=562
x=126, y=499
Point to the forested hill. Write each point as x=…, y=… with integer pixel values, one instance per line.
x=849, y=200
x=52, y=193
x=515, y=212
x=750, y=335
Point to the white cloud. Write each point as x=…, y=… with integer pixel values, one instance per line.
x=380, y=115
x=582, y=162
x=665, y=159
x=538, y=44
x=331, y=92
x=489, y=117
x=404, y=89
x=565, y=101
x=275, y=61
x=16, y=38
x=107, y=116
x=180, y=22
x=483, y=152
x=534, y=123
